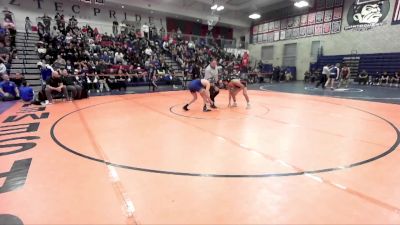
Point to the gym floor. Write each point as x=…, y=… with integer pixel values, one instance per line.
x=305, y=157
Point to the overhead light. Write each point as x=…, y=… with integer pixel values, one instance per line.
x=123, y=6
x=221, y=7
x=214, y=7
x=301, y=4
x=255, y=16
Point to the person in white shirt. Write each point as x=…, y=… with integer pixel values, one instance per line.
x=323, y=76
x=119, y=58
x=145, y=30
x=211, y=74
x=148, y=51
x=3, y=68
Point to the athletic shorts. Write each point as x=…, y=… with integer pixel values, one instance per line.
x=195, y=86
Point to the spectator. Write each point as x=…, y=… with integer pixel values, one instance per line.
x=3, y=68
x=59, y=63
x=71, y=84
x=307, y=76
x=384, y=79
x=8, y=89
x=115, y=28
x=288, y=75
x=375, y=79
x=26, y=92
x=119, y=58
x=395, y=79
x=363, y=77
x=47, y=23
x=4, y=53
x=55, y=86
x=28, y=25
x=18, y=79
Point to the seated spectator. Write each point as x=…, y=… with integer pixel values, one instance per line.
x=71, y=84
x=3, y=68
x=4, y=53
x=384, y=79
x=119, y=57
x=375, y=79
x=55, y=86
x=26, y=92
x=288, y=75
x=363, y=77
x=42, y=51
x=59, y=63
x=18, y=79
x=395, y=79
x=307, y=77
x=8, y=90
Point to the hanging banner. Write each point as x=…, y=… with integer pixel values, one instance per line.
x=396, y=13
x=367, y=14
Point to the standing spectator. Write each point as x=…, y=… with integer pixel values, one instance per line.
x=145, y=30
x=115, y=28
x=28, y=25
x=8, y=90
x=54, y=86
x=47, y=23
x=363, y=77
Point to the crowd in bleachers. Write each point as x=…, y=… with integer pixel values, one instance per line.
x=113, y=61
x=12, y=86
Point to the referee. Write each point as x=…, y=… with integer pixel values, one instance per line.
x=211, y=74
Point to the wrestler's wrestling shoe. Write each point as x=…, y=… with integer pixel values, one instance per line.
x=186, y=107
x=205, y=109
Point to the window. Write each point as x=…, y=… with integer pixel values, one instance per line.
x=315, y=46
x=289, y=55
x=267, y=53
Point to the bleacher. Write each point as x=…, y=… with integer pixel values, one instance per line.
x=372, y=63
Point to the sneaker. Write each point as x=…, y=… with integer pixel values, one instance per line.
x=205, y=109
x=186, y=107
x=248, y=106
x=213, y=106
x=234, y=104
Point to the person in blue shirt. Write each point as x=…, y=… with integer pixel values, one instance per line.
x=26, y=92
x=8, y=89
x=45, y=71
